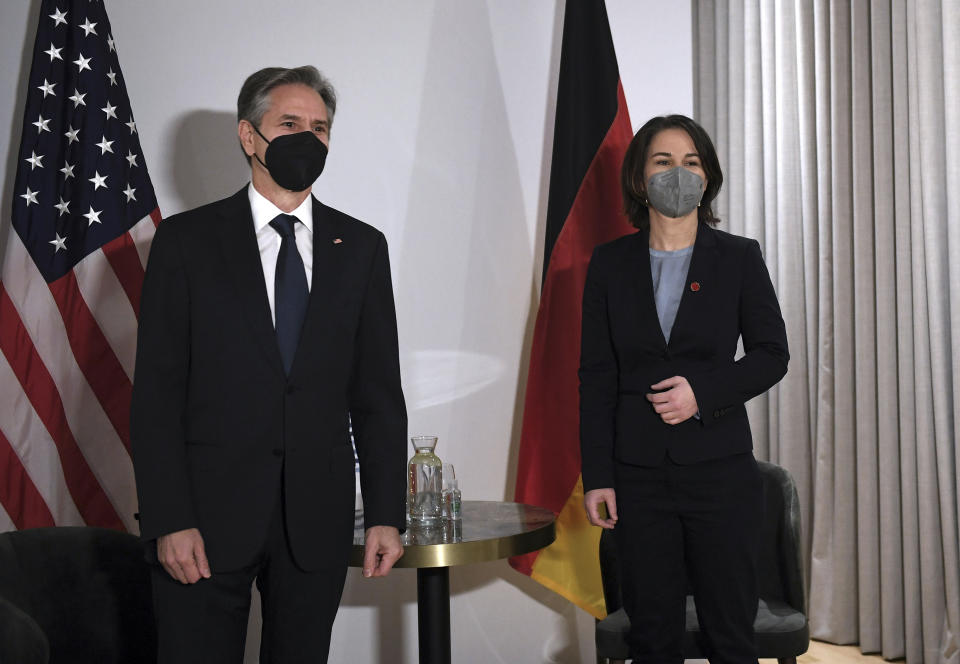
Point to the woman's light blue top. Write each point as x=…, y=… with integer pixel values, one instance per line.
x=669, y=272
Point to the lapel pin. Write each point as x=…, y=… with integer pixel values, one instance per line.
x=338, y=241
x=694, y=286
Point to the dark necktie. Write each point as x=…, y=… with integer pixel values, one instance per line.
x=290, y=290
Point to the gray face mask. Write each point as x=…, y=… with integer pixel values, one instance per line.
x=675, y=193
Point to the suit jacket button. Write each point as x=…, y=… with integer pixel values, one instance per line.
x=277, y=452
x=291, y=389
x=717, y=414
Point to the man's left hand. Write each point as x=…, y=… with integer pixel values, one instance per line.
x=382, y=550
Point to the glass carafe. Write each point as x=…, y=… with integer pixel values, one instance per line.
x=424, y=483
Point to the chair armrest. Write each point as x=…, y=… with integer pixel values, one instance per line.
x=21, y=639
x=790, y=536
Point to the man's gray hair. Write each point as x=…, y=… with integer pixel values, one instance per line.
x=254, y=98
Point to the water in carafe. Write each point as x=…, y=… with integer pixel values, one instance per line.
x=424, y=483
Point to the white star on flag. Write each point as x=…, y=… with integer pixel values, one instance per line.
x=87, y=28
x=110, y=43
x=67, y=171
x=111, y=111
x=63, y=206
x=104, y=146
x=99, y=180
x=132, y=125
x=72, y=135
x=35, y=161
x=77, y=98
x=41, y=124
x=47, y=89
x=83, y=63
x=129, y=192
x=93, y=216
x=112, y=75
x=59, y=243
x=132, y=158
x=58, y=17
x=54, y=52
x=30, y=196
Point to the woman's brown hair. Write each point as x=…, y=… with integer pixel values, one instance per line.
x=631, y=175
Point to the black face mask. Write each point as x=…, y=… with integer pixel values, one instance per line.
x=294, y=161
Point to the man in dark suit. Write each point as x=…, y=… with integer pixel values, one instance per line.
x=267, y=328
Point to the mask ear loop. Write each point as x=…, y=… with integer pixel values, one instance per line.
x=265, y=139
x=257, y=129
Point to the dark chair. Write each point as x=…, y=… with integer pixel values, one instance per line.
x=781, y=628
x=74, y=595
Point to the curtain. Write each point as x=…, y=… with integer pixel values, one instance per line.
x=838, y=127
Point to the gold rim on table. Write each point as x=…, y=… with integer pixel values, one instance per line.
x=538, y=531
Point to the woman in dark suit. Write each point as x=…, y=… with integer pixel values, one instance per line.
x=665, y=440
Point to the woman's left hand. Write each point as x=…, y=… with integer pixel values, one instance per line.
x=676, y=403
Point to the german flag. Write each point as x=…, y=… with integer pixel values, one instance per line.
x=591, y=135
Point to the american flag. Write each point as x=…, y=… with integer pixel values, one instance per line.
x=84, y=214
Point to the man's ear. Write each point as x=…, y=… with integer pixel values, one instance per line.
x=246, y=133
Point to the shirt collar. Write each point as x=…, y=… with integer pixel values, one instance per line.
x=264, y=211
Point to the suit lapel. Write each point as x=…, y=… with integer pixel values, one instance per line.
x=643, y=278
x=241, y=255
x=327, y=268
x=701, y=278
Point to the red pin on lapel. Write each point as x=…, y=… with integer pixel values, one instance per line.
x=338, y=241
x=694, y=286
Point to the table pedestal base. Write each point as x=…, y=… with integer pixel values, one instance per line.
x=490, y=530
x=433, y=613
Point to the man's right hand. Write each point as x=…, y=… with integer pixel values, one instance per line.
x=592, y=501
x=182, y=555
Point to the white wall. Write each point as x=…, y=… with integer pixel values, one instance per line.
x=442, y=140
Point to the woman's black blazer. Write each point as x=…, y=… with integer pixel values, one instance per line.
x=727, y=296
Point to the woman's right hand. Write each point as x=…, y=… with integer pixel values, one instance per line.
x=592, y=501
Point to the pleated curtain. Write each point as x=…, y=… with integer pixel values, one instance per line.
x=838, y=128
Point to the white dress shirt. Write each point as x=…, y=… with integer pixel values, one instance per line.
x=268, y=239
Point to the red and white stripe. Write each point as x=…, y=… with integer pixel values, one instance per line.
x=66, y=373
